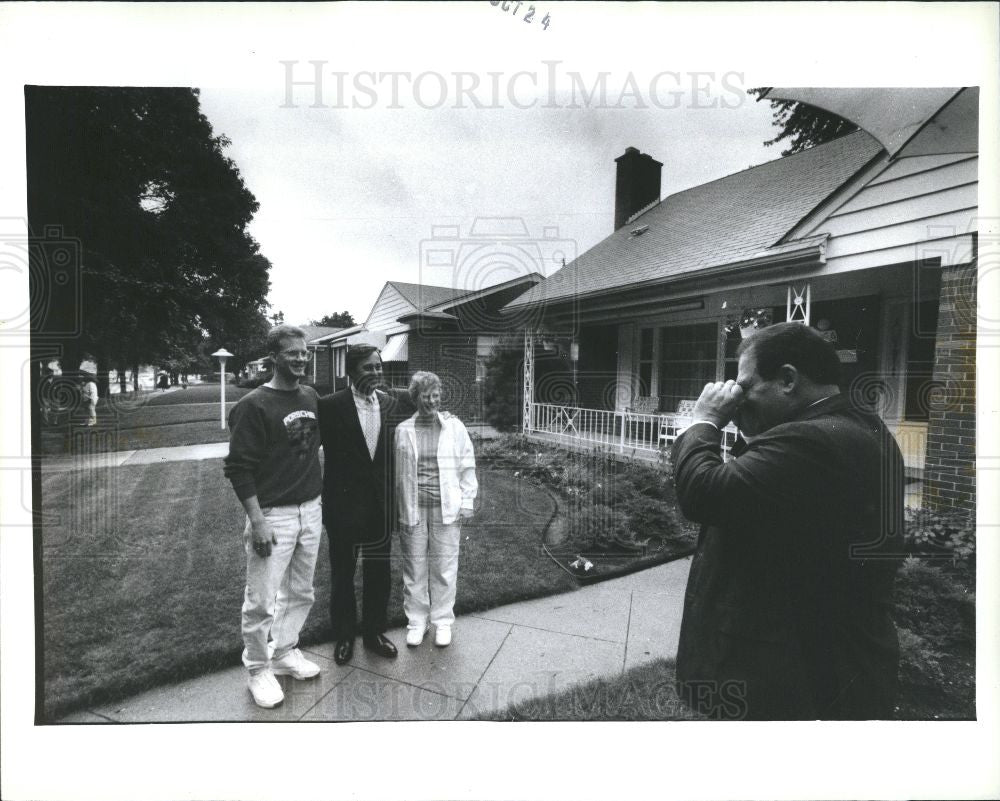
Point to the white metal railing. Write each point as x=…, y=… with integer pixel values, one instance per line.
x=622, y=431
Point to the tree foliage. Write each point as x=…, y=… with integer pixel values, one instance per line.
x=138, y=183
x=342, y=319
x=802, y=124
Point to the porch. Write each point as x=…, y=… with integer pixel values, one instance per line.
x=627, y=385
x=631, y=435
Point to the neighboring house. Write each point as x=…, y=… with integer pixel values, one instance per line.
x=317, y=373
x=875, y=248
x=447, y=331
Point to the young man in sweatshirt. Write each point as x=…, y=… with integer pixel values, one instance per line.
x=273, y=464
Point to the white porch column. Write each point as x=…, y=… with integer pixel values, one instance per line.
x=529, y=379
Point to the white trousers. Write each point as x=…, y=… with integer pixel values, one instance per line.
x=279, y=591
x=430, y=569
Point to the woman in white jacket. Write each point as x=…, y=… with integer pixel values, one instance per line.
x=435, y=489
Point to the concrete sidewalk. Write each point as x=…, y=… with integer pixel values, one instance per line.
x=94, y=461
x=498, y=657
x=180, y=453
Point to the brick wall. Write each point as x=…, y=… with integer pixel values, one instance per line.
x=452, y=356
x=950, y=466
x=324, y=377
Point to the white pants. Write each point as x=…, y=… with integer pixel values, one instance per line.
x=430, y=569
x=279, y=592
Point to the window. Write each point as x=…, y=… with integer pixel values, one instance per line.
x=339, y=364
x=484, y=349
x=686, y=362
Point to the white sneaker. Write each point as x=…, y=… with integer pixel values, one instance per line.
x=295, y=665
x=265, y=689
x=415, y=636
x=442, y=637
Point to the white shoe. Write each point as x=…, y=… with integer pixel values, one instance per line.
x=265, y=689
x=295, y=665
x=415, y=636
x=442, y=636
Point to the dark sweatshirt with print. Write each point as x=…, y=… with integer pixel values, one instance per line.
x=274, y=446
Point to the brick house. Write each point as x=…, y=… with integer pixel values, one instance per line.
x=873, y=244
x=420, y=327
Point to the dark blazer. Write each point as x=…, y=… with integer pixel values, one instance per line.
x=357, y=489
x=787, y=613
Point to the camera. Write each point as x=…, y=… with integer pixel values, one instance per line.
x=51, y=261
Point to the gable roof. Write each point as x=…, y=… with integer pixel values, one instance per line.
x=317, y=331
x=718, y=223
x=421, y=296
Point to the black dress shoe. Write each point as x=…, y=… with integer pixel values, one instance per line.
x=344, y=651
x=381, y=645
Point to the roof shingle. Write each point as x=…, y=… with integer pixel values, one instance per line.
x=710, y=225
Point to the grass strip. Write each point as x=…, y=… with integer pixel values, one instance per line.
x=143, y=574
x=645, y=692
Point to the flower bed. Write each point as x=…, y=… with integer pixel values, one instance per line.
x=613, y=516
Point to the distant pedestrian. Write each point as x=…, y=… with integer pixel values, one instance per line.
x=273, y=464
x=88, y=392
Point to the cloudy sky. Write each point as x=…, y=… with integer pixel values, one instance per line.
x=349, y=193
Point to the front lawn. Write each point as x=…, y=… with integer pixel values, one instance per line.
x=143, y=570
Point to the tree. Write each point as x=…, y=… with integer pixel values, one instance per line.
x=155, y=217
x=342, y=319
x=805, y=125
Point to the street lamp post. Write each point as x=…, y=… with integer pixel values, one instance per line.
x=222, y=354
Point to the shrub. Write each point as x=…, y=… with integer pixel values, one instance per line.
x=951, y=534
x=502, y=388
x=256, y=381
x=936, y=605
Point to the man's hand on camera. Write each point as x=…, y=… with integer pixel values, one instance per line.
x=718, y=402
x=262, y=538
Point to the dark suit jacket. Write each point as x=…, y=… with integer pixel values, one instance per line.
x=788, y=603
x=357, y=489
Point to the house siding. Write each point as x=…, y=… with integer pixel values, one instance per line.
x=950, y=463
x=387, y=309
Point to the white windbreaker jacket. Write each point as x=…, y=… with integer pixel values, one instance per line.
x=456, y=466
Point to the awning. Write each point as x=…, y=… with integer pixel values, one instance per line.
x=907, y=121
x=395, y=349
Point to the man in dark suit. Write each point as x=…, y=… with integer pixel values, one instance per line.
x=787, y=613
x=356, y=428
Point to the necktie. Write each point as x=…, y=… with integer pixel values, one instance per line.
x=371, y=426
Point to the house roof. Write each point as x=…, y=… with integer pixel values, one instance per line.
x=317, y=331
x=421, y=296
x=337, y=334
x=721, y=222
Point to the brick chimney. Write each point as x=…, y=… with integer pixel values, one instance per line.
x=637, y=184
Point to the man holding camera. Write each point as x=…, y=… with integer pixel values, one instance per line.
x=787, y=610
